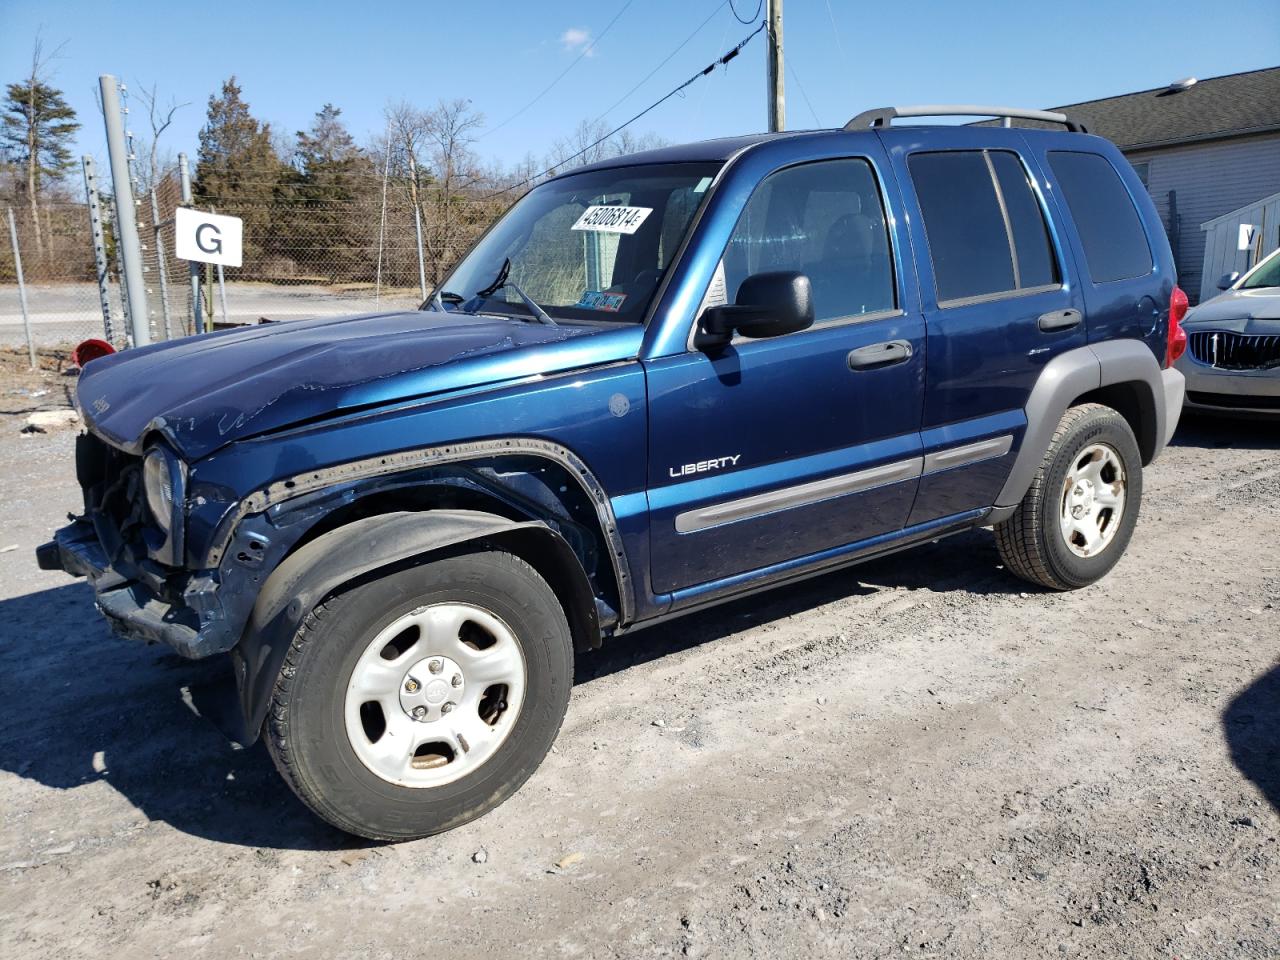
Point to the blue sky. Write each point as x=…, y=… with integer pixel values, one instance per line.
x=293, y=57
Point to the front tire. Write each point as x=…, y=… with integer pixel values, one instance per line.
x=1078, y=515
x=416, y=702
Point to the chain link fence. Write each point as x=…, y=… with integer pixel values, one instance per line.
x=302, y=258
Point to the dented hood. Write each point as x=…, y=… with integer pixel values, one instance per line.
x=202, y=393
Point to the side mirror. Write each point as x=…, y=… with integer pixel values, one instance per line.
x=767, y=305
x=1227, y=280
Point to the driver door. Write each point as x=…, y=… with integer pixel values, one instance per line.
x=768, y=453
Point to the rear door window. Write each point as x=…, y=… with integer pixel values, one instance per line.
x=986, y=231
x=1115, y=245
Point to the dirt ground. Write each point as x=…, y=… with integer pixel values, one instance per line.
x=917, y=756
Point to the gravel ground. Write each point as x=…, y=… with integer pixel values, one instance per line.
x=918, y=756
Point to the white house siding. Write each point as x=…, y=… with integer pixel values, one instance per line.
x=1210, y=179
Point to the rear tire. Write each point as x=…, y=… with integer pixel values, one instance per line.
x=359, y=726
x=1077, y=518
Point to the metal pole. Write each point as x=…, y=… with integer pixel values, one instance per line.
x=222, y=295
x=777, y=95
x=197, y=314
x=160, y=265
x=417, y=226
x=126, y=220
x=99, y=246
x=382, y=227
x=22, y=288
x=124, y=299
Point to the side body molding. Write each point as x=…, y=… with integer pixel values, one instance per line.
x=349, y=552
x=1069, y=376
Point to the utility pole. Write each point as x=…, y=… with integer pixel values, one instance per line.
x=126, y=212
x=777, y=95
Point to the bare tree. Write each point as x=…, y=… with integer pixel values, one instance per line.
x=160, y=118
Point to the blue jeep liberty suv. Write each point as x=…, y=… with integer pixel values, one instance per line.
x=659, y=382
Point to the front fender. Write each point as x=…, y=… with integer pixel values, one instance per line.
x=335, y=559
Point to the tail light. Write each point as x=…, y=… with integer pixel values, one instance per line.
x=1177, y=336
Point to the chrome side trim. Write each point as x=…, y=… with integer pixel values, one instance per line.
x=311, y=481
x=759, y=504
x=967, y=454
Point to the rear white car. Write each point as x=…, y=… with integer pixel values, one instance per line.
x=1232, y=362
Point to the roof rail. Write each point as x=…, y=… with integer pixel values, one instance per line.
x=882, y=116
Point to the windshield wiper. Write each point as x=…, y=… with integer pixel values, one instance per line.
x=503, y=280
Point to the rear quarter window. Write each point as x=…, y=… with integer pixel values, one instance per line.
x=1115, y=245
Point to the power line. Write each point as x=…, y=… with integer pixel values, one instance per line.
x=547, y=89
x=796, y=77
x=685, y=43
x=836, y=30
x=749, y=20
x=722, y=61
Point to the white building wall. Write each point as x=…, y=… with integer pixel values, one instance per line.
x=1210, y=179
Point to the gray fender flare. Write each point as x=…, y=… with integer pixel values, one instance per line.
x=350, y=552
x=1063, y=380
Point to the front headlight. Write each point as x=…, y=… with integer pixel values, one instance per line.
x=157, y=480
x=164, y=485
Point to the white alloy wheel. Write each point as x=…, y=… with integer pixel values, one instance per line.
x=1093, y=499
x=435, y=694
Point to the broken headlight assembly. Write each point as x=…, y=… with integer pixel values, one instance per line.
x=164, y=479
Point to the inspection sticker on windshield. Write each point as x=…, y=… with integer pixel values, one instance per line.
x=612, y=219
x=599, y=300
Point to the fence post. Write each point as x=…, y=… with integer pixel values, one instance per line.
x=126, y=219
x=417, y=225
x=197, y=314
x=160, y=266
x=99, y=245
x=222, y=296
x=22, y=288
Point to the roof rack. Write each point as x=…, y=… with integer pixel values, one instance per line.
x=882, y=116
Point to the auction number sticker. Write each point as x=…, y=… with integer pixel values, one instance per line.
x=612, y=219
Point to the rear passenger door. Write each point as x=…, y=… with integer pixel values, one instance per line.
x=998, y=304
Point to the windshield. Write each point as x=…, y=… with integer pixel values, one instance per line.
x=1267, y=275
x=588, y=246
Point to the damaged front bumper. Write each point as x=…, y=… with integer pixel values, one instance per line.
x=134, y=603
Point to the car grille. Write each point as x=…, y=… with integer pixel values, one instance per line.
x=1235, y=351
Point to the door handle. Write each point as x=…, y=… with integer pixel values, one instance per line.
x=1059, y=320
x=879, y=355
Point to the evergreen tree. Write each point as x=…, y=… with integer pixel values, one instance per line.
x=36, y=128
x=238, y=171
x=332, y=177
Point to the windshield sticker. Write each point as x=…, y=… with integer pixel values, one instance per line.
x=599, y=300
x=702, y=185
x=612, y=219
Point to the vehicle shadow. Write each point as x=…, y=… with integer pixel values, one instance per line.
x=84, y=706
x=1218, y=432
x=1251, y=726
x=967, y=562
